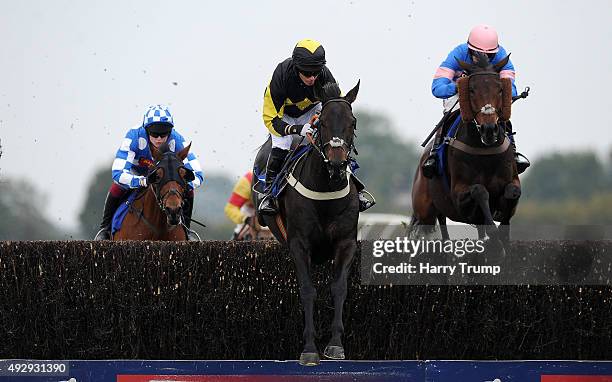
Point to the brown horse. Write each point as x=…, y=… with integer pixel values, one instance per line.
x=156, y=213
x=481, y=182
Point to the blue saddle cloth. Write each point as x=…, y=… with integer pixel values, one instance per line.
x=442, y=150
x=122, y=211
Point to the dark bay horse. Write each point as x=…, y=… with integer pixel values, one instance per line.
x=322, y=225
x=481, y=183
x=156, y=213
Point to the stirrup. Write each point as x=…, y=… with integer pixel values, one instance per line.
x=366, y=200
x=103, y=234
x=191, y=234
x=522, y=163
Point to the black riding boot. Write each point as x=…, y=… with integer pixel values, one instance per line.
x=431, y=163
x=187, y=211
x=522, y=163
x=110, y=206
x=275, y=163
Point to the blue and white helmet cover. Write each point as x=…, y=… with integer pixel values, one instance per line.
x=157, y=113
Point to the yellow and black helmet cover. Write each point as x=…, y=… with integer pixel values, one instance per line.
x=308, y=55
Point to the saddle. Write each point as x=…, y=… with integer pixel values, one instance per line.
x=299, y=149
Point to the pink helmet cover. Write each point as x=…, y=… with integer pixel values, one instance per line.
x=483, y=38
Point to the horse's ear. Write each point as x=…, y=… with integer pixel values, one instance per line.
x=506, y=99
x=465, y=105
x=155, y=153
x=351, y=96
x=183, y=153
x=500, y=65
x=464, y=65
x=186, y=174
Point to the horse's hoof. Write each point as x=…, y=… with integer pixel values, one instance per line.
x=310, y=359
x=334, y=352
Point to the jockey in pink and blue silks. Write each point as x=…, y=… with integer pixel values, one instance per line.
x=484, y=39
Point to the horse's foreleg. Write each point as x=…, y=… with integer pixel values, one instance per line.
x=343, y=258
x=300, y=250
x=480, y=195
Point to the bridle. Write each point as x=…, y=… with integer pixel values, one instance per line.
x=169, y=176
x=487, y=109
x=334, y=142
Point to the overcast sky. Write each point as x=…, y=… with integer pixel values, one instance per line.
x=78, y=74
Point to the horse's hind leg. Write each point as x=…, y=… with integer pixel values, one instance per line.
x=343, y=258
x=300, y=250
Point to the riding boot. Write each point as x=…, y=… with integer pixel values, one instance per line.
x=275, y=162
x=366, y=199
x=187, y=211
x=522, y=163
x=430, y=165
x=110, y=206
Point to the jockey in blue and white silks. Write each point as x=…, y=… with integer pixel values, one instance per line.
x=134, y=160
x=131, y=161
x=482, y=38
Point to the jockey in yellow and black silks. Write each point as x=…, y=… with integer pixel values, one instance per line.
x=289, y=105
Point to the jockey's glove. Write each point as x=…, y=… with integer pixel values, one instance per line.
x=301, y=129
x=142, y=182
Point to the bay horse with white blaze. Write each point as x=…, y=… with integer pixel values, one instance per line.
x=156, y=213
x=480, y=184
x=318, y=213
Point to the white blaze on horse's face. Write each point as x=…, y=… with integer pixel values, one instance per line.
x=487, y=109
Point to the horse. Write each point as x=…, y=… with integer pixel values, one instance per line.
x=481, y=184
x=321, y=226
x=156, y=212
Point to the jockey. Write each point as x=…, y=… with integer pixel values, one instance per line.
x=239, y=208
x=482, y=38
x=289, y=105
x=133, y=161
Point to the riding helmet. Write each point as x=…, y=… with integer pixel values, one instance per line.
x=308, y=55
x=483, y=38
x=158, y=119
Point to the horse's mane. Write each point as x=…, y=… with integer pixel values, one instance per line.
x=327, y=91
